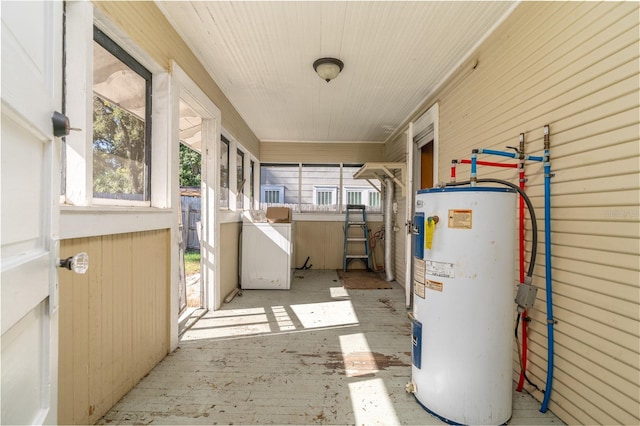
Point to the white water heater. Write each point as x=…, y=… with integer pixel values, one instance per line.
x=464, y=272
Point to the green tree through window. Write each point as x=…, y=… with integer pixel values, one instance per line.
x=118, y=149
x=190, y=167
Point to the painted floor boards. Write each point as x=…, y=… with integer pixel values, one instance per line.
x=316, y=354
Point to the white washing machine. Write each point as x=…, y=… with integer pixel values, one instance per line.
x=268, y=260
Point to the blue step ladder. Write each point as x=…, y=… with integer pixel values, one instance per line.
x=355, y=232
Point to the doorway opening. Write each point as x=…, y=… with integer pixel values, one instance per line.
x=191, y=295
x=426, y=165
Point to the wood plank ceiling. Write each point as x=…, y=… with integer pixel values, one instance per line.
x=395, y=55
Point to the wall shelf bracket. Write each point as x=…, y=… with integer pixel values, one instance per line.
x=381, y=171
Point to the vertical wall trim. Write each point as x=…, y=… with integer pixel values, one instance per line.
x=408, y=258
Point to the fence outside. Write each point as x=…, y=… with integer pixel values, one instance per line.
x=190, y=221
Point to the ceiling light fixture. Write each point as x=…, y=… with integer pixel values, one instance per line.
x=328, y=68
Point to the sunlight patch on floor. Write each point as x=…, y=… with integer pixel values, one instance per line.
x=371, y=403
x=327, y=314
x=357, y=357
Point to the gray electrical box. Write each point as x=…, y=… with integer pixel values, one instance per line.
x=526, y=296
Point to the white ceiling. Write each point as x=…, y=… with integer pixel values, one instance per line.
x=394, y=53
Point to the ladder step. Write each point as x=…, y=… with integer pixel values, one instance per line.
x=358, y=220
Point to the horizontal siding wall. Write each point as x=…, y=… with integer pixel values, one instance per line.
x=573, y=66
x=306, y=152
x=396, y=151
x=114, y=320
x=150, y=30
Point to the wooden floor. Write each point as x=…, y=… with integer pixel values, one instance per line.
x=316, y=354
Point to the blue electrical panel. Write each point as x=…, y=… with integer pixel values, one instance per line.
x=416, y=343
x=418, y=236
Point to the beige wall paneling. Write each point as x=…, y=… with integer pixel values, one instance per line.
x=114, y=320
x=310, y=242
x=149, y=29
x=123, y=379
x=307, y=152
x=323, y=243
x=573, y=66
x=229, y=258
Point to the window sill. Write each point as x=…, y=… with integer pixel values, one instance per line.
x=83, y=221
x=332, y=217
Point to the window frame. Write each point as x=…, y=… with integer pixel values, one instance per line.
x=329, y=189
x=227, y=142
x=122, y=55
x=80, y=212
x=274, y=188
x=252, y=183
x=366, y=195
x=339, y=200
x=240, y=156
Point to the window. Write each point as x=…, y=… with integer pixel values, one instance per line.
x=317, y=187
x=354, y=197
x=121, y=123
x=324, y=196
x=320, y=185
x=224, y=173
x=240, y=180
x=363, y=195
x=252, y=167
x=359, y=191
x=283, y=179
x=374, y=200
x=272, y=194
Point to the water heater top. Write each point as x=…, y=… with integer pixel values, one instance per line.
x=465, y=189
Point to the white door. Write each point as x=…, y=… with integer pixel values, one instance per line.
x=30, y=157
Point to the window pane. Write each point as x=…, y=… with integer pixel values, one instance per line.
x=374, y=199
x=120, y=136
x=240, y=179
x=252, y=167
x=354, y=197
x=224, y=173
x=320, y=188
x=324, y=197
x=279, y=185
x=273, y=195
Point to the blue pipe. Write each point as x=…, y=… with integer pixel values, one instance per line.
x=501, y=153
x=509, y=154
x=473, y=176
x=547, y=261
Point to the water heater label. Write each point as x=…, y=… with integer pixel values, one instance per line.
x=439, y=269
x=418, y=289
x=433, y=285
x=418, y=270
x=460, y=219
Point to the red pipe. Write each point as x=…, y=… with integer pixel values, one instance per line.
x=521, y=239
x=521, y=250
x=490, y=163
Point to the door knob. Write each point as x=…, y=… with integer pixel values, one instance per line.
x=78, y=263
